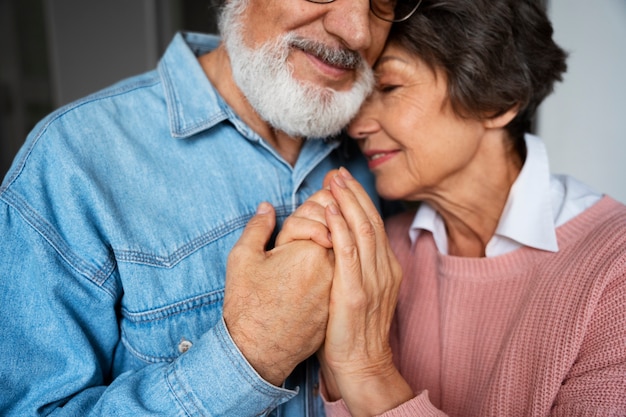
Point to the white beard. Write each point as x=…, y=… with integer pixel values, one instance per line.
x=300, y=109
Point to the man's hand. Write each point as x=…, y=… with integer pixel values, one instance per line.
x=276, y=302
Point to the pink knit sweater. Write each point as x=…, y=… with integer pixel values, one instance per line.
x=529, y=333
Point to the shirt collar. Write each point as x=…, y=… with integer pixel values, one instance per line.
x=193, y=103
x=527, y=218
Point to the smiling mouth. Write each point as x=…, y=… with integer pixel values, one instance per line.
x=377, y=156
x=344, y=59
x=374, y=159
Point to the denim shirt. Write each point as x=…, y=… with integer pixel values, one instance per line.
x=116, y=220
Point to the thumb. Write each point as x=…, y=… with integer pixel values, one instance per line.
x=259, y=229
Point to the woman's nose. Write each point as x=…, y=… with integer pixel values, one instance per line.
x=364, y=124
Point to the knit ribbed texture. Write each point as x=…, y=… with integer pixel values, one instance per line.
x=529, y=333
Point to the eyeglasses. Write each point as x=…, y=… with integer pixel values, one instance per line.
x=388, y=10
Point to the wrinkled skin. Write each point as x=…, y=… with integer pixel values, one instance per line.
x=356, y=358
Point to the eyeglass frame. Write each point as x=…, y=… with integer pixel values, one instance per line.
x=411, y=13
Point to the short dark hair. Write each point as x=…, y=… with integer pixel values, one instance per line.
x=496, y=54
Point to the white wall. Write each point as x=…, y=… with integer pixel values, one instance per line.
x=584, y=122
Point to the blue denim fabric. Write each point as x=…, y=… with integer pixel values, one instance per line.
x=116, y=220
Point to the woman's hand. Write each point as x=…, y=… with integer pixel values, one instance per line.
x=308, y=222
x=356, y=357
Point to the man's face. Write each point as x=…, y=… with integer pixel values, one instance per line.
x=304, y=67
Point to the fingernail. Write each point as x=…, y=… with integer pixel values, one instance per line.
x=263, y=208
x=345, y=173
x=333, y=208
x=340, y=182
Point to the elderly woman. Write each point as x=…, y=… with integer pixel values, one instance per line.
x=513, y=297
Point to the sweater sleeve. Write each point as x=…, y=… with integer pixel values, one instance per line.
x=420, y=406
x=596, y=383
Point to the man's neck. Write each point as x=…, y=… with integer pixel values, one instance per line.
x=216, y=65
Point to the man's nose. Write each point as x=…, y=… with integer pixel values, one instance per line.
x=349, y=20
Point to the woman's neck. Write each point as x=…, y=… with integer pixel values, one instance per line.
x=471, y=203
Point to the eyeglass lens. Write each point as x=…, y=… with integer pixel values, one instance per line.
x=389, y=10
x=394, y=11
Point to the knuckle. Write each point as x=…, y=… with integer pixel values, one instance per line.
x=349, y=253
x=288, y=221
x=306, y=206
x=289, y=224
x=236, y=255
x=358, y=300
x=309, y=208
x=323, y=197
x=314, y=255
x=366, y=229
x=377, y=221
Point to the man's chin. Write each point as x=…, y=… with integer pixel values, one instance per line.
x=312, y=131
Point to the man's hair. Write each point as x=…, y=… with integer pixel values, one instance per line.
x=496, y=54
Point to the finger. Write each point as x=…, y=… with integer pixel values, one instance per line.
x=364, y=292
x=381, y=270
x=313, y=207
x=259, y=229
x=359, y=192
x=347, y=299
x=342, y=238
x=300, y=228
x=347, y=278
x=360, y=215
x=322, y=197
x=308, y=221
x=329, y=176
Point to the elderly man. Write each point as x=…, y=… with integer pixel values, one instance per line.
x=117, y=218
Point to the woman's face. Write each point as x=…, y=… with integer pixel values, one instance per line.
x=414, y=142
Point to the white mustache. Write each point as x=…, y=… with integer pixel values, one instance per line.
x=342, y=58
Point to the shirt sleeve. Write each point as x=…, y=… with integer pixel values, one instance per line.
x=60, y=335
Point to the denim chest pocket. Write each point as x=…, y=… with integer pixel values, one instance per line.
x=165, y=308
x=162, y=334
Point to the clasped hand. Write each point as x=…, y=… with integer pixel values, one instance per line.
x=330, y=285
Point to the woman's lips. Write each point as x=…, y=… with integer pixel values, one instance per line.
x=377, y=158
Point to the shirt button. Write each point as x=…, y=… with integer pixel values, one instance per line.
x=184, y=345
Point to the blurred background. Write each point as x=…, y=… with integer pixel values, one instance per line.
x=55, y=51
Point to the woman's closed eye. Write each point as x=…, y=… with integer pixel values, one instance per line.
x=387, y=88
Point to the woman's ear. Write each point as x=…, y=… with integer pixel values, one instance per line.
x=497, y=122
